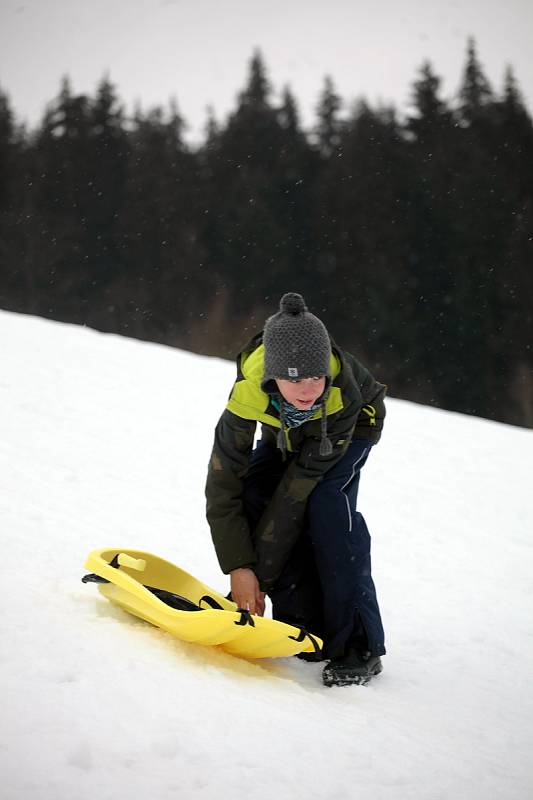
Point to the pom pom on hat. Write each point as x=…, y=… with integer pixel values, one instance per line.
x=292, y=303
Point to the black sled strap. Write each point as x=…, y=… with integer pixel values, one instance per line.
x=210, y=602
x=92, y=578
x=246, y=618
x=302, y=635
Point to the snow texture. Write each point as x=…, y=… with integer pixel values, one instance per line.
x=105, y=442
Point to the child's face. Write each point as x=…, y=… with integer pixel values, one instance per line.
x=302, y=393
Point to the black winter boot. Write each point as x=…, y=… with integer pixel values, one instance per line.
x=353, y=668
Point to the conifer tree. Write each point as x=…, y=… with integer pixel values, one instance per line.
x=481, y=226
x=515, y=138
x=476, y=93
x=431, y=111
x=246, y=226
x=363, y=205
x=328, y=202
x=431, y=181
x=60, y=200
x=288, y=113
x=13, y=191
x=329, y=125
x=7, y=144
x=107, y=156
x=298, y=167
x=255, y=95
x=159, y=230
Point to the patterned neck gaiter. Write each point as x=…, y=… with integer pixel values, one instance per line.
x=292, y=416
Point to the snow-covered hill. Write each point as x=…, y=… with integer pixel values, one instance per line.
x=105, y=442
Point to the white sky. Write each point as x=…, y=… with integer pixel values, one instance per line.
x=198, y=50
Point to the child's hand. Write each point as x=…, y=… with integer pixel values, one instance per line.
x=245, y=591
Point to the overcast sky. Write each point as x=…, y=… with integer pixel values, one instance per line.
x=198, y=50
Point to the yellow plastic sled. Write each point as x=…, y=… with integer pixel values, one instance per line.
x=169, y=598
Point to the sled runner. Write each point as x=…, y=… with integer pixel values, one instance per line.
x=169, y=598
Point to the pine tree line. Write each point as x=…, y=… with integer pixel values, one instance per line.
x=411, y=238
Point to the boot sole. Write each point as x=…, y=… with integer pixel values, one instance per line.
x=350, y=680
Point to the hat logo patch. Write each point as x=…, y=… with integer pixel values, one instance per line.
x=293, y=372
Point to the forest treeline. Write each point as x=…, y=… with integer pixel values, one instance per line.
x=411, y=238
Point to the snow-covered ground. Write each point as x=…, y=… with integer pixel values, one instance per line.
x=105, y=442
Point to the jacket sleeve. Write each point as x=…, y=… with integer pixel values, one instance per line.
x=224, y=487
x=372, y=414
x=283, y=519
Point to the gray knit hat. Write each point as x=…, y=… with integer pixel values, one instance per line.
x=297, y=346
x=296, y=342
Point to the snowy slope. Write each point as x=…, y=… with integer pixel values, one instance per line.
x=104, y=443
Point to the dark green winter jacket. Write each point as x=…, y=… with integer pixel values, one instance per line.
x=355, y=409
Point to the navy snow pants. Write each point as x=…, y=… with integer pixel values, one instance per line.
x=326, y=585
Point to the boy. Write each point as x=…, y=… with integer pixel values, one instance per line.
x=283, y=516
